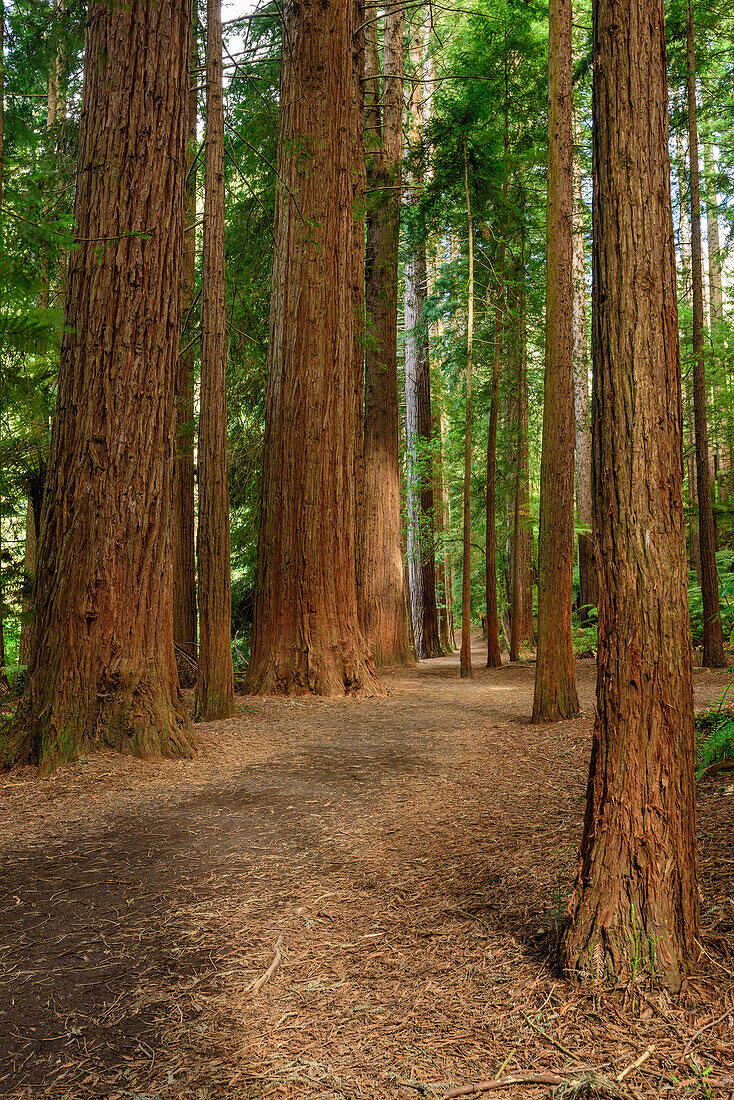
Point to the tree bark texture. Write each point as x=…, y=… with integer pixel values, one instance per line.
x=588, y=587
x=465, y=665
x=443, y=528
x=40, y=422
x=713, y=641
x=555, y=674
x=713, y=236
x=102, y=672
x=381, y=595
x=306, y=634
x=494, y=655
x=215, y=686
x=184, y=557
x=421, y=540
x=521, y=618
x=634, y=909
x=725, y=469
x=689, y=441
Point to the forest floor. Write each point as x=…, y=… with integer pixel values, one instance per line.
x=412, y=854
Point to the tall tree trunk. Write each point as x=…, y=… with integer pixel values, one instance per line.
x=716, y=313
x=29, y=573
x=521, y=619
x=184, y=558
x=381, y=595
x=102, y=670
x=555, y=674
x=713, y=238
x=3, y=658
x=494, y=656
x=443, y=527
x=465, y=654
x=2, y=253
x=713, y=641
x=588, y=588
x=689, y=442
x=215, y=686
x=421, y=541
x=635, y=904
x=306, y=634
x=690, y=467
x=40, y=423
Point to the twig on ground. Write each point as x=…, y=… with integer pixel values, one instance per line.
x=505, y=1064
x=553, y=1042
x=503, y=1082
x=257, y=985
x=713, y=1023
x=636, y=1064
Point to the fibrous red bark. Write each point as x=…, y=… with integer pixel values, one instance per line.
x=713, y=640
x=215, y=685
x=184, y=557
x=102, y=670
x=418, y=421
x=381, y=591
x=306, y=635
x=555, y=674
x=588, y=588
x=634, y=910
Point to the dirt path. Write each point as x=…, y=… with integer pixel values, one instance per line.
x=413, y=852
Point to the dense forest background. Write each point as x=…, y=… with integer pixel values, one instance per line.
x=336, y=337
x=475, y=97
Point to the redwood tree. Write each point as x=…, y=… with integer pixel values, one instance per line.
x=306, y=635
x=713, y=641
x=381, y=585
x=184, y=558
x=215, y=686
x=102, y=671
x=555, y=674
x=465, y=665
x=587, y=568
x=418, y=420
x=521, y=615
x=635, y=903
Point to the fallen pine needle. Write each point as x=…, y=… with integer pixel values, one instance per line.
x=257, y=985
x=503, y=1082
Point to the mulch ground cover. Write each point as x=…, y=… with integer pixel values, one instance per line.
x=340, y=899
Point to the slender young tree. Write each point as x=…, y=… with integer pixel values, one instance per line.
x=635, y=904
x=521, y=618
x=215, y=686
x=713, y=235
x=713, y=640
x=494, y=655
x=381, y=594
x=37, y=476
x=465, y=653
x=555, y=674
x=102, y=670
x=588, y=593
x=418, y=420
x=685, y=273
x=306, y=635
x=184, y=557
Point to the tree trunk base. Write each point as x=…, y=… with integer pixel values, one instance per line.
x=608, y=945
x=308, y=672
x=138, y=723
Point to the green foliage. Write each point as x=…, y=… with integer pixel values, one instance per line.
x=725, y=567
